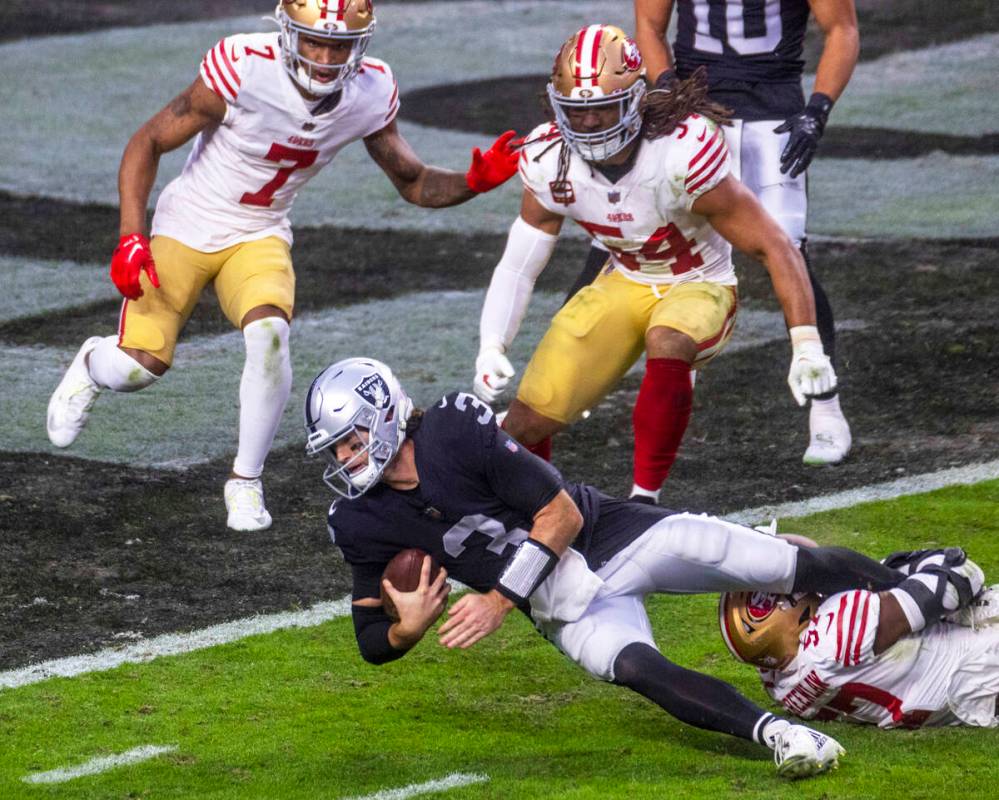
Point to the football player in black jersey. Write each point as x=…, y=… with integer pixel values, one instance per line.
x=503, y=521
x=752, y=54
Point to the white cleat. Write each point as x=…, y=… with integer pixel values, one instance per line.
x=983, y=611
x=829, y=434
x=70, y=404
x=800, y=752
x=244, y=500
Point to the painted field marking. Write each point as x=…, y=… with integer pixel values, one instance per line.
x=452, y=781
x=100, y=764
x=177, y=643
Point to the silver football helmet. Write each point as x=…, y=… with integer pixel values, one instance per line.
x=356, y=396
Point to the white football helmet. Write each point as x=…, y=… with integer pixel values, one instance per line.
x=598, y=67
x=355, y=396
x=332, y=20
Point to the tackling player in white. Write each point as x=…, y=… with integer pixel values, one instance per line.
x=268, y=111
x=899, y=658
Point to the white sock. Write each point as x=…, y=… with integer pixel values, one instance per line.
x=771, y=728
x=829, y=407
x=638, y=490
x=112, y=368
x=263, y=392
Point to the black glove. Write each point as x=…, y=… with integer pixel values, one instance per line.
x=806, y=130
x=667, y=80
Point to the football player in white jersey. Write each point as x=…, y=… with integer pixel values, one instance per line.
x=879, y=658
x=647, y=176
x=752, y=55
x=268, y=111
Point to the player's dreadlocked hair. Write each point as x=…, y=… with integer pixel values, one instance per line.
x=664, y=109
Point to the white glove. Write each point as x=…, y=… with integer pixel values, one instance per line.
x=493, y=371
x=811, y=370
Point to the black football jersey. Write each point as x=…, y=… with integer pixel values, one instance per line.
x=752, y=50
x=478, y=494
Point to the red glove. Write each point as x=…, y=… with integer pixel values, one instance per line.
x=130, y=257
x=496, y=165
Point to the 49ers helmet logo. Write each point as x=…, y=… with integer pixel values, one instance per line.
x=760, y=605
x=630, y=55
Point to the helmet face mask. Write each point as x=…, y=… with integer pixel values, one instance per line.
x=354, y=402
x=762, y=628
x=598, y=68
x=327, y=22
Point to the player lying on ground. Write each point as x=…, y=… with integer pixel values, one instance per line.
x=269, y=110
x=448, y=481
x=906, y=657
x=649, y=177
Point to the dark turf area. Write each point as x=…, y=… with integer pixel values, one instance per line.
x=93, y=551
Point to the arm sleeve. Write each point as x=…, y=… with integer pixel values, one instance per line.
x=527, y=252
x=708, y=160
x=221, y=69
x=371, y=627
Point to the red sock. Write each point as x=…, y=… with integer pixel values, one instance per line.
x=542, y=449
x=661, y=414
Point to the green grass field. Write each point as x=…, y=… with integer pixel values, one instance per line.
x=299, y=715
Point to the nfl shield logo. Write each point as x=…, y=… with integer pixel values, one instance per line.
x=614, y=197
x=374, y=390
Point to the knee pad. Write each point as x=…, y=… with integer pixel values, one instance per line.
x=114, y=369
x=267, y=352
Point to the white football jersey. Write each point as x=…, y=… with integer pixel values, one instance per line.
x=243, y=175
x=644, y=219
x=945, y=675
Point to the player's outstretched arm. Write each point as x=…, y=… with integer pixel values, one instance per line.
x=737, y=215
x=651, y=21
x=435, y=187
x=475, y=616
x=188, y=113
x=529, y=246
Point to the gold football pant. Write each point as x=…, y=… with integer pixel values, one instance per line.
x=246, y=275
x=597, y=336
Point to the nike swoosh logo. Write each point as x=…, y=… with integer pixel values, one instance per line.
x=703, y=134
x=234, y=57
x=135, y=248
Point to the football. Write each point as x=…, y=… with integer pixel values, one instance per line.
x=404, y=573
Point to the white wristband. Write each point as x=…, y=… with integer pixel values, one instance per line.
x=524, y=573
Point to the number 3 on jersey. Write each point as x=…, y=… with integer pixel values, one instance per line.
x=300, y=159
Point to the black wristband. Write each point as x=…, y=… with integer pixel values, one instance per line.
x=819, y=106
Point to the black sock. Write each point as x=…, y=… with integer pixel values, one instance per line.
x=824, y=320
x=692, y=697
x=828, y=570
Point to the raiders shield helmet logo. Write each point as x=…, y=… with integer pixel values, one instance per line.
x=374, y=390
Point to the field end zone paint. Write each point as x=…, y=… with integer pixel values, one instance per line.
x=453, y=781
x=224, y=633
x=100, y=764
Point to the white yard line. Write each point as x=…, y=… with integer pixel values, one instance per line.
x=452, y=781
x=98, y=765
x=177, y=643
